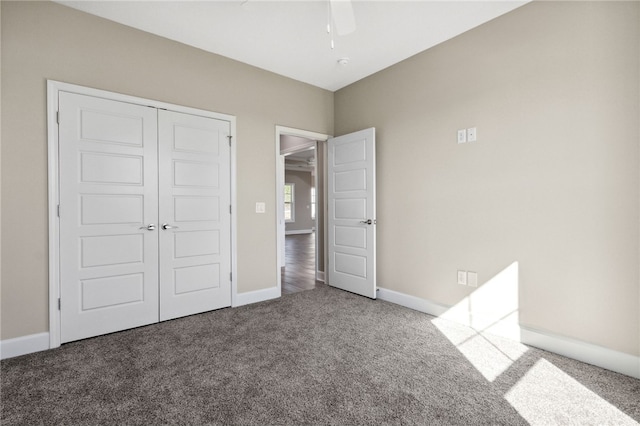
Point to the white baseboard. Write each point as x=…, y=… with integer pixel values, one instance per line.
x=298, y=231
x=23, y=345
x=582, y=351
x=320, y=276
x=412, y=302
x=619, y=362
x=257, y=296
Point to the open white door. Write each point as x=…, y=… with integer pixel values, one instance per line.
x=351, y=178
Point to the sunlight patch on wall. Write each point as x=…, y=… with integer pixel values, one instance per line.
x=493, y=307
x=492, y=313
x=547, y=395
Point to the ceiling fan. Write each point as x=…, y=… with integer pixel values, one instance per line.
x=341, y=15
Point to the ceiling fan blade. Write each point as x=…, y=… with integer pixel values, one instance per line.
x=342, y=13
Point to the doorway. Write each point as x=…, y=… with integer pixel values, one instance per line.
x=299, y=272
x=301, y=211
x=346, y=223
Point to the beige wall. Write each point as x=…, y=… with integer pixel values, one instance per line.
x=302, y=200
x=552, y=183
x=47, y=41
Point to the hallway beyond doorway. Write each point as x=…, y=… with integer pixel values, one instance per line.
x=299, y=273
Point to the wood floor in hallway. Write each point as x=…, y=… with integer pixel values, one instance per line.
x=300, y=260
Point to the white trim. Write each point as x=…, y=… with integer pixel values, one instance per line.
x=54, y=223
x=412, y=302
x=298, y=231
x=280, y=226
x=53, y=88
x=582, y=351
x=234, y=216
x=257, y=296
x=320, y=276
x=23, y=345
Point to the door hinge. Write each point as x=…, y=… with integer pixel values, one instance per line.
x=59, y=303
x=229, y=208
x=58, y=117
x=58, y=210
x=230, y=276
x=229, y=137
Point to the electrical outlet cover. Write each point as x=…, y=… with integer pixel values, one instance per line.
x=472, y=279
x=462, y=277
x=472, y=134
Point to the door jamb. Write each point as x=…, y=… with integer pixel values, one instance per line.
x=320, y=137
x=53, y=88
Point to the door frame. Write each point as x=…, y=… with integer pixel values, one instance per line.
x=280, y=227
x=53, y=89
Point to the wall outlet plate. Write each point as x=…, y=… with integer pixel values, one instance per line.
x=462, y=277
x=462, y=136
x=260, y=207
x=472, y=279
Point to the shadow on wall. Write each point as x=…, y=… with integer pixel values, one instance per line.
x=484, y=327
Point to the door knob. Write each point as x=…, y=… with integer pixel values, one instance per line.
x=167, y=226
x=367, y=222
x=149, y=227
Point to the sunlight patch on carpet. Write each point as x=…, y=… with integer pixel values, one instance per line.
x=491, y=355
x=547, y=395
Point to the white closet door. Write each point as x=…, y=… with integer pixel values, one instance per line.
x=108, y=203
x=195, y=240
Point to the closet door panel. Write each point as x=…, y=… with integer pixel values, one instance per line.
x=108, y=197
x=194, y=190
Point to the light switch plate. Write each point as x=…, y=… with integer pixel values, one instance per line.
x=462, y=136
x=462, y=277
x=260, y=207
x=472, y=279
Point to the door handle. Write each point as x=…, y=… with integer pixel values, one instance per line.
x=367, y=222
x=166, y=226
x=149, y=227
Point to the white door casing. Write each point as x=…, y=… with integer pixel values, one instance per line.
x=351, y=191
x=108, y=198
x=194, y=207
x=280, y=171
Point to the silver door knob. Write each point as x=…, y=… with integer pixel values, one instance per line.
x=167, y=226
x=149, y=227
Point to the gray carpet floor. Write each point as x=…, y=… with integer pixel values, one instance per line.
x=322, y=356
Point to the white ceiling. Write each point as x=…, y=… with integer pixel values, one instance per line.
x=290, y=37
